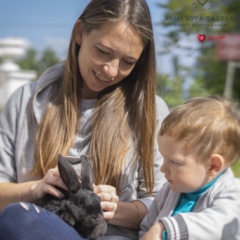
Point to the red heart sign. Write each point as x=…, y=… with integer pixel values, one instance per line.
x=201, y=37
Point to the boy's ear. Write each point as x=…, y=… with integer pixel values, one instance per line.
x=216, y=165
x=78, y=29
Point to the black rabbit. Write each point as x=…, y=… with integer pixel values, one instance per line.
x=80, y=206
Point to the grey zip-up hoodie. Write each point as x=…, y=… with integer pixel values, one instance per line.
x=17, y=132
x=216, y=215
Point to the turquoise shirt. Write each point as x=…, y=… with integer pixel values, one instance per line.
x=187, y=201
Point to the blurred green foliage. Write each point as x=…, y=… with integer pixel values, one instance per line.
x=189, y=17
x=236, y=169
x=33, y=61
x=170, y=89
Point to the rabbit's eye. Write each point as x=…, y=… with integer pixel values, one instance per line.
x=80, y=203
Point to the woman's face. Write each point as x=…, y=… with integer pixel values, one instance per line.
x=107, y=55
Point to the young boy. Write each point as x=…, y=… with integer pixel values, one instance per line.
x=199, y=141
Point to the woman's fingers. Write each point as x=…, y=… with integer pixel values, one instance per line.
x=52, y=190
x=104, y=188
x=109, y=209
x=48, y=185
x=107, y=193
x=53, y=178
x=109, y=199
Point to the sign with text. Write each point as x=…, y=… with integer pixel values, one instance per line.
x=229, y=47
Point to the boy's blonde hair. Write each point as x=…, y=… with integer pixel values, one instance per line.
x=208, y=125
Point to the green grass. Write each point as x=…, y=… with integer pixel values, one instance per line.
x=236, y=169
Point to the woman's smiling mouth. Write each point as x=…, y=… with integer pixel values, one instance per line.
x=101, y=78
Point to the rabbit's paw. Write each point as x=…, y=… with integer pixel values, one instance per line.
x=68, y=218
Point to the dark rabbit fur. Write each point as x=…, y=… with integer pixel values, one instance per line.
x=80, y=206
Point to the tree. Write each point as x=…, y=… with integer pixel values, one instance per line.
x=170, y=89
x=48, y=59
x=210, y=73
x=31, y=60
x=213, y=18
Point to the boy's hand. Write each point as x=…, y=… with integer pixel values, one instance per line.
x=155, y=232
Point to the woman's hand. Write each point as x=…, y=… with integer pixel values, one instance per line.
x=47, y=185
x=109, y=199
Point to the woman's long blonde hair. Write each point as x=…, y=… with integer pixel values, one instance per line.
x=125, y=113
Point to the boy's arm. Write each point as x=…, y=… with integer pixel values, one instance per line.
x=153, y=214
x=155, y=232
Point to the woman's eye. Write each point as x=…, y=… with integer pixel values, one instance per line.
x=102, y=52
x=129, y=63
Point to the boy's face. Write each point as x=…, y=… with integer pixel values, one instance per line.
x=182, y=171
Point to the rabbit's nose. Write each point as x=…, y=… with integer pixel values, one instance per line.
x=96, y=218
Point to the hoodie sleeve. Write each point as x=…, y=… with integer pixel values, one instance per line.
x=161, y=205
x=8, y=127
x=216, y=216
x=10, y=124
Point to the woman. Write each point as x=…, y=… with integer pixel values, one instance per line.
x=101, y=103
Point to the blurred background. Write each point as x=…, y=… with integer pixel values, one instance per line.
x=197, y=45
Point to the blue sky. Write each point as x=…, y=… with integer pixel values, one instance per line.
x=48, y=23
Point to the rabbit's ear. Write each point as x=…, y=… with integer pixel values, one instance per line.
x=86, y=174
x=68, y=174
